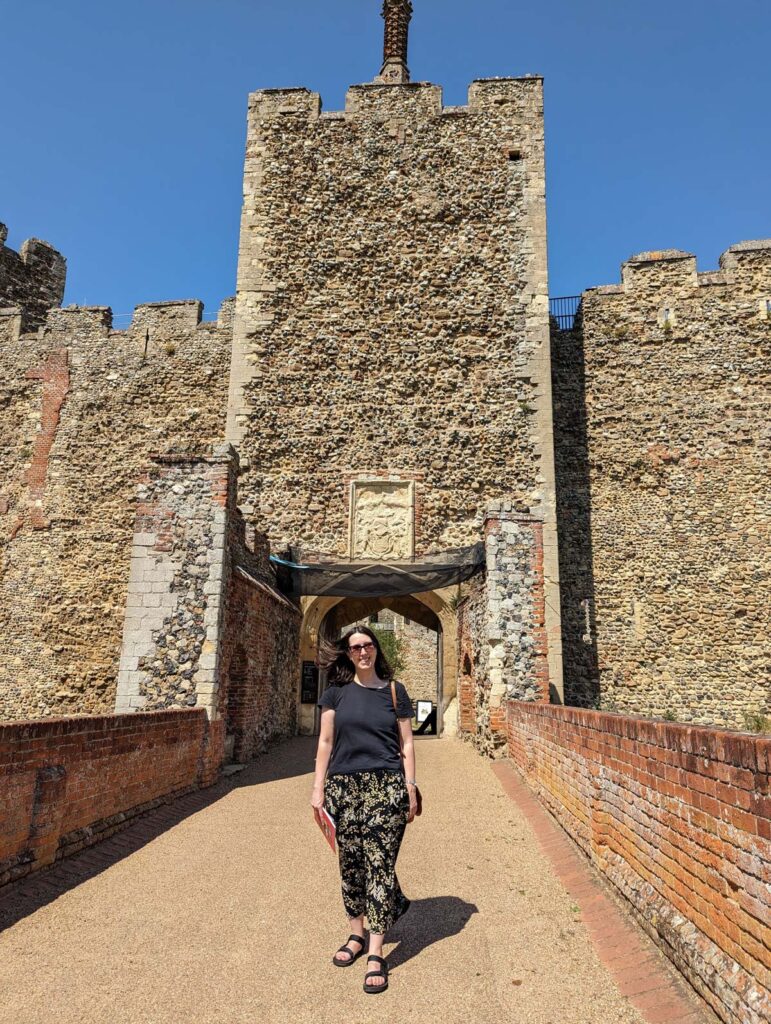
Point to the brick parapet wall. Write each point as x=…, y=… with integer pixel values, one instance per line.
x=260, y=665
x=678, y=818
x=66, y=783
x=661, y=412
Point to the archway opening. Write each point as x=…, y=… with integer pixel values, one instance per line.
x=411, y=635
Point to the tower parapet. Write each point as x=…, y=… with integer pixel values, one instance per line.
x=31, y=279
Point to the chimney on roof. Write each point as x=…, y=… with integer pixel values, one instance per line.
x=397, y=15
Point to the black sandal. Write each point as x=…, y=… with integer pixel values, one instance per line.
x=382, y=973
x=347, y=949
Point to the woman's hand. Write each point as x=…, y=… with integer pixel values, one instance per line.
x=317, y=802
x=412, y=791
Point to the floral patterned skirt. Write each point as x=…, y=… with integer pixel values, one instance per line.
x=370, y=811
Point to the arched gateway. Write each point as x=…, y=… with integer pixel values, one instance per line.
x=334, y=596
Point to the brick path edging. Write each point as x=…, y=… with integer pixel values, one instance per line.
x=640, y=970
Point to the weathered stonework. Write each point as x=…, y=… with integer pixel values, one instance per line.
x=385, y=283
x=418, y=652
x=31, y=281
x=382, y=519
x=392, y=315
x=82, y=409
x=205, y=625
x=173, y=619
x=662, y=407
x=501, y=629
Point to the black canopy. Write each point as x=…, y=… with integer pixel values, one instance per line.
x=366, y=578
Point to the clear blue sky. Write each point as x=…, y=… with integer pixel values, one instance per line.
x=123, y=124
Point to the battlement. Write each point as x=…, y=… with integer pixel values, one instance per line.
x=745, y=268
x=413, y=100
x=31, y=279
x=176, y=317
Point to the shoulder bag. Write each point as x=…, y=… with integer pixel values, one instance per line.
x=418, y=795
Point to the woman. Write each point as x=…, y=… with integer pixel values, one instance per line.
x=367, y=788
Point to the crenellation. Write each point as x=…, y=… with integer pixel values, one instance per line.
x=11, y=320
x=76, y=319
x=82, y=408
x=178, y=315
x=418, y=101
x=748, y=266
x=226, y=313
x=32, y=279
x=668, y=270
x=278, y=103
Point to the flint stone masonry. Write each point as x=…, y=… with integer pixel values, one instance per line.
x=662, y=412
x=385, y=269
x=82, y=409
x=392, y=312
x=31, y=281
x=502, y=638
x=420, y=653
x=205, y=623
x=173, y=621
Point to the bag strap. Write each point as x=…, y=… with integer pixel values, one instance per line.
x=396, y=709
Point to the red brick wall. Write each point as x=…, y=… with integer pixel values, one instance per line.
x=260, y=668
x=679, y=819
x=61, y=776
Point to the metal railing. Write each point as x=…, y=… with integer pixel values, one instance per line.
x=563, y=310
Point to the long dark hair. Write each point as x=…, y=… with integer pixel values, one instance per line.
x=333, y=656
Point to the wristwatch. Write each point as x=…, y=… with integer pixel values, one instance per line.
x=411, y=782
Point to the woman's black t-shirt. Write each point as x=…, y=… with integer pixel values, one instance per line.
x=366, y=736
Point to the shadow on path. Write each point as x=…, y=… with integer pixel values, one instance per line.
x=20, y=899
x=426, y=922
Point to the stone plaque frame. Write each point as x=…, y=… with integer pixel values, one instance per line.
x=372, y=522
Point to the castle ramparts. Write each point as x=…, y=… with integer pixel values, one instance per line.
x=31, y=280
x=662, y=405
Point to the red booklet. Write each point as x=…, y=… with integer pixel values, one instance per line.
x=327, y=826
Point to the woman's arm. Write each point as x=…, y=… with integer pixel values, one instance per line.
x=323, y=754
x=408, y=747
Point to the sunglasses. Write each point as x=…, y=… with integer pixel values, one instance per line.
x=361, y=648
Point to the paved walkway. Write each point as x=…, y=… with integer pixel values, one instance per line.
x=224, y=909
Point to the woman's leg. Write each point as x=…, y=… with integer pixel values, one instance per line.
x=387, y=806
x=341, y=795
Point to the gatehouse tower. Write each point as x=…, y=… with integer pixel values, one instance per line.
x=390, y=376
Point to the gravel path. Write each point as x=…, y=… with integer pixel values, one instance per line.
x=230, y=915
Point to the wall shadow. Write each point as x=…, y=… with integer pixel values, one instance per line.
x=19, y=899
x=574, y=518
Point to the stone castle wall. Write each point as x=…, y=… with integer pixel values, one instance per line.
x=31, y=280
x=392, y=310
x=82, y=409
x=662, y=407
x=420, y=654
x=205, y=625
x=501, y=629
